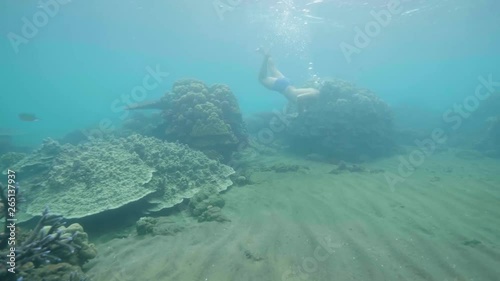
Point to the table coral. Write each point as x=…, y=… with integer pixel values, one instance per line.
x=82, y=180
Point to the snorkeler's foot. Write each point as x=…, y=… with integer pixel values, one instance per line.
x=262, y=51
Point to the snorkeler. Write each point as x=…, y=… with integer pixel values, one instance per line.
x=274, y=80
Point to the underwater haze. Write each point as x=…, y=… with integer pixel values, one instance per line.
x=89, y=54
x=250, y=140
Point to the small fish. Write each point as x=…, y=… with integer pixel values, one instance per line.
x=28, y=117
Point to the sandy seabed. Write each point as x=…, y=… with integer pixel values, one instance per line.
x=441, y=223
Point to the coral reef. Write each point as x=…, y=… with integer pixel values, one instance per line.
x=49, y=252
x=82, y=180
x=207, y=207
x=180, y=172
x=205, y=118
x=344, y=122
x=85, y=250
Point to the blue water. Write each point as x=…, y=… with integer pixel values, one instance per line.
x=76, y=64
x=92, y=52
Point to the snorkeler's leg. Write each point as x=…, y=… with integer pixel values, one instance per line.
x=305, y=92
x=273, y=70
x=268, y=82
x=263, y=68
x=264, y=79
x=270, y=67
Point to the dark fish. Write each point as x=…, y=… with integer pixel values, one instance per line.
x=28, y=117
